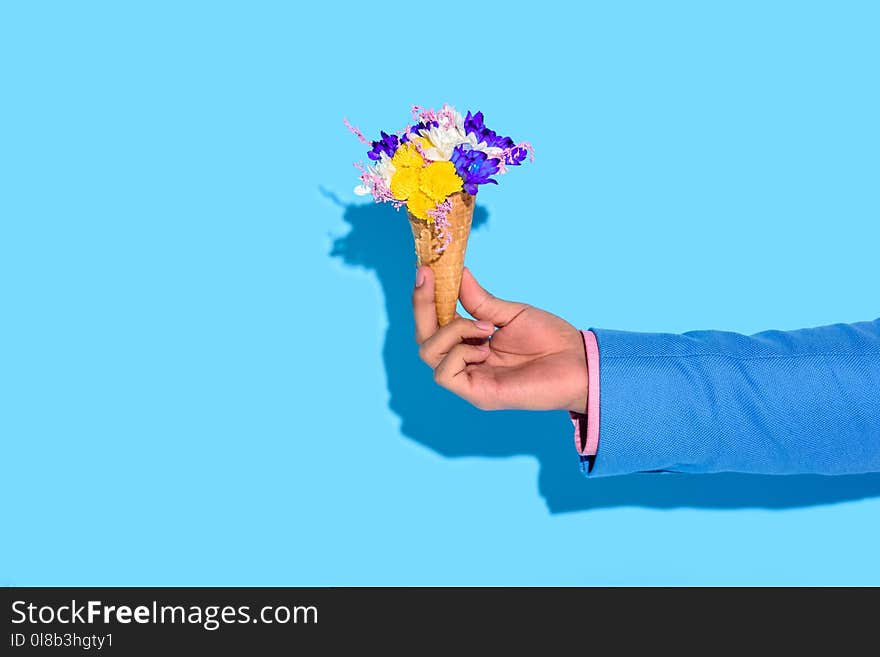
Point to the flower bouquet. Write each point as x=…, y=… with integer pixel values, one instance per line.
x=435, y=167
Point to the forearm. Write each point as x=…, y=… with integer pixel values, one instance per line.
x=777, y=402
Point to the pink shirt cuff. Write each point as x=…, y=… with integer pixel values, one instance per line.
x=587, y=440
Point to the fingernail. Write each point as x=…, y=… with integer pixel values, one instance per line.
x=483, y=347
x=483, y=325
x=420, y=277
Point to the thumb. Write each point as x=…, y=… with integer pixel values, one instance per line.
x=482, y=305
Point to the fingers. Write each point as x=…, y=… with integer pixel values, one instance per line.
x=451, y=373
x=444, y=340
x=482, y=305
x=423, y=304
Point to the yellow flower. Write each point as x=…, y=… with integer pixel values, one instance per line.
x=438, y=180
x=406, y=155
x=419, y=204
x=404, y=182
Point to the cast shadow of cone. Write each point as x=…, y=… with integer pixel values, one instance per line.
x=380, y=240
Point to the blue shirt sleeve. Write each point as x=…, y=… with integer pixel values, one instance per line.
x=778, y=402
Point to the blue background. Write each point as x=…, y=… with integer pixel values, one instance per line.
x=207, y=373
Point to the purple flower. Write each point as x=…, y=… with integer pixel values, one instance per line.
x=424, y=125
x=474, y=167
x=516, y=156
x=388, y=144
x=473, y=124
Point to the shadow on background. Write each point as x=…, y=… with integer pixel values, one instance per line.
x=380, y=241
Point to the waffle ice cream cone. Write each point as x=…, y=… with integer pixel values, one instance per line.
x=447, y=266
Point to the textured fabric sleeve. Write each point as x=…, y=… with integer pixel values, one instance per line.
x=778, y=402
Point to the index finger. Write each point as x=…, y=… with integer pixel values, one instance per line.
x=423, y=305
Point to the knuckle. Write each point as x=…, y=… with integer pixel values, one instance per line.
x=423, y=352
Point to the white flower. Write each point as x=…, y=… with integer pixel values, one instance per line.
x=445, y=136
x=383, y=169
x=444, y=141
x=490, y=151
x=450, y=133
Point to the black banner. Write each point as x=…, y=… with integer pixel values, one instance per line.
x=170, y=621
x=243, y=620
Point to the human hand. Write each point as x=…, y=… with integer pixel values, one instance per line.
x=533, y=361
